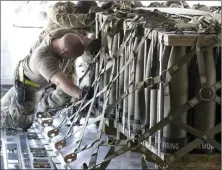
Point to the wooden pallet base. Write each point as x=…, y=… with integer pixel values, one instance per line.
x=197, y=162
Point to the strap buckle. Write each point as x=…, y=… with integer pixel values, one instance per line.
x=163, y=77
x=61, y=144
x=163, y=166
x=147, y=80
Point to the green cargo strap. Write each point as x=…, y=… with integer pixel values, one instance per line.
x=92, y=121
x=99, y=133
x=23, y=79
x=101, y=122
x=192, y=145
x=138, y=86
x=78, y=111
x=192, y=103
x=139, y=148
x=148, y=155
x=97, y=56
x=106, y=87
x=123, y=45
x=197, y=133
x=213, y=88
x=77, y=149
x=200, y=61
x=65, y=120
x=164, y=122
x=142, y=41
x=114, y=155
x=81, y=107
x=95, y=59
x=105, y=164
x=172, y=115
x=116, y=77
x=143, y=163
x=82, y=101
x=93, y=158
x=110, y=142
x=86, y=147
x=83, y=128
x=125, y=94
x=121, y=71
x=114, y=142
x=88, y=115
x=78, y=143
x=173, y=69
x=217, y=99
x=66, y=157
x=94, y=155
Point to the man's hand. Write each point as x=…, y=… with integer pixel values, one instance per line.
x=65, y=84
x=94, y=46
x=88, y=92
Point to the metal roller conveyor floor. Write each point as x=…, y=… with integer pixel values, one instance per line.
x=35, y=150
x=23, y=150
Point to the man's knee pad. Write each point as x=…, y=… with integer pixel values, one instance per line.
x=6, y=99
x=55, y=99
x=20, y=118
x=5, y=118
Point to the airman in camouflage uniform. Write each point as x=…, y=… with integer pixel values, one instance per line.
x=80, y=17
x=37, y=71
x=62, y=14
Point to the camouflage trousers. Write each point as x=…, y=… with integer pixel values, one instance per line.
x=55, y=99
x=16, y=116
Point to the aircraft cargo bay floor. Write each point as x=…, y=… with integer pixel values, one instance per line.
x=129, y=160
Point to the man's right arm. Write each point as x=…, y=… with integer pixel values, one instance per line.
x=65, y=84
x=48, y=67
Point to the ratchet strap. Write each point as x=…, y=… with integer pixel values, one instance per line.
x=192, y=145
x=149, y=82
x=172, y=115
x=78, y=143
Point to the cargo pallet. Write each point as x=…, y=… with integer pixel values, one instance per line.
x=137, y=62
x=191, y=160
x=187, y=162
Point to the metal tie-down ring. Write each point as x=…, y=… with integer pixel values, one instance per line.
x=206, y=94
x=133, y=143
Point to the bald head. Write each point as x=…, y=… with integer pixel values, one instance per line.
x=71, y=46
